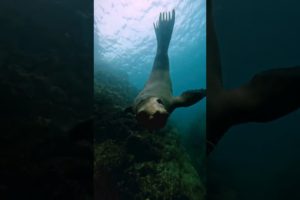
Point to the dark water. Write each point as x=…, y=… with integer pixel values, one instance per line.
x=257, y=161
x=46, y=92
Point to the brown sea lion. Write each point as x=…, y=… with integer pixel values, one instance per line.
x=155, y=102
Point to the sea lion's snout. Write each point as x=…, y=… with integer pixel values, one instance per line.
x=153, y=121
x=160, y=119
x=152, y=114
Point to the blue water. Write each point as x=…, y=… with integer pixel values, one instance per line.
x=125, y=39
x=258, y=161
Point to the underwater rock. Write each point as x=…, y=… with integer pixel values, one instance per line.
x=143, y=147
x=82, y=131
x=147, y=166
x=133, y=163
x=40, y=72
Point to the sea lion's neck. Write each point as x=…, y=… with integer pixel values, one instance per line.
x=161, y=61
x=159, y=83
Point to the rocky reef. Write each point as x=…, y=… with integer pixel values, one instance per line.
x=133, y=163
x=46, y=92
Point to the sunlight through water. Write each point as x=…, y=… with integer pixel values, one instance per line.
x=125, y=38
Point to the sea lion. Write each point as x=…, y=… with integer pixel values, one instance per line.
x=269, y=95
x=155, y=102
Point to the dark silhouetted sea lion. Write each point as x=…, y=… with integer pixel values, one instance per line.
x=269, y=95
x=155, y=102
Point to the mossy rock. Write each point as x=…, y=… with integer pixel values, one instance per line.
x=148, y=166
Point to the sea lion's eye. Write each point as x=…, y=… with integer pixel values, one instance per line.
x=159, y=101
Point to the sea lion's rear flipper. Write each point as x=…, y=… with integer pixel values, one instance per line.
x=189, y=98
x=163, y=31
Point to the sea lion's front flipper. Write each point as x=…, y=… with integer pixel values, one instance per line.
x=269, y=95
x=189, y=98
x=163, y=31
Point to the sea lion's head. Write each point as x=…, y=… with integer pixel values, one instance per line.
x=152, y=113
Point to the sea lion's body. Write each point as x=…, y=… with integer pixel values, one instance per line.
x=159, y=84
x=156, y=102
